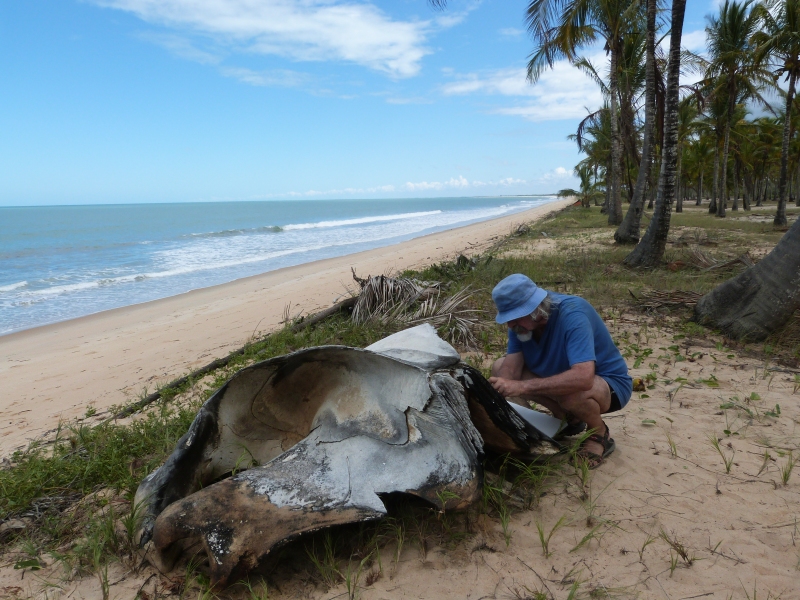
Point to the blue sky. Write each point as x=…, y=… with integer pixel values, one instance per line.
x=107, y=101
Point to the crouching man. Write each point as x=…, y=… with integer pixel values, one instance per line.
x=560, y=355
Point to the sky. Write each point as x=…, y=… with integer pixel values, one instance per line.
x=129, y=101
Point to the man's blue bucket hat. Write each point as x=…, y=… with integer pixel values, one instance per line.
x=515, y=297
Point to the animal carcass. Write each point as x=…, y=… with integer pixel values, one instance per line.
x=332, y=429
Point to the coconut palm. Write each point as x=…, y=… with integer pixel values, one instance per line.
x=649, y=251
x=778, y=43
x=589, y=190
x=593, y=138
x=687, y=124
x=560, y=28
x=628, y=230
x=732, y=73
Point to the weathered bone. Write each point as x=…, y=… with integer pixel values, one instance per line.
x=333, y=429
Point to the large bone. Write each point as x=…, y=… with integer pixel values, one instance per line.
x=333, y=429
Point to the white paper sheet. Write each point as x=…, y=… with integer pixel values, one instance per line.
x=545, y=423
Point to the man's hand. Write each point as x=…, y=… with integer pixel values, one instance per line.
x=508, y=388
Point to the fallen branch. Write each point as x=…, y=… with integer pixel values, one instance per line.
x=654, y=299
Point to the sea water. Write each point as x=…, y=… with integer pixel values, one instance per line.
x=61, y=262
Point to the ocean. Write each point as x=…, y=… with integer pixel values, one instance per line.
x=62, y=262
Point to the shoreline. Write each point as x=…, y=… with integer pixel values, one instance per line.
x=55, y=372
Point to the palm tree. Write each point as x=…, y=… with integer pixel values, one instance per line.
x=593, y=138
x=589, y=190
x=699, y=154
x=560, y=28
x=687, y=112
x=778, y=41
x=650, y=250
x=628, y=230
x=732, y=73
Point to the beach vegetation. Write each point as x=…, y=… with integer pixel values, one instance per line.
x=545, y=536
x=727, y=458
x=787, y=468
x=75, y=489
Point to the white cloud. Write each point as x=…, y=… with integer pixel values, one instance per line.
x=452, y=183
x=182, y=47
x=562, y=92
x=460, y=183
x=274, y=78
x=556, y=174
x=508, y=181
x=414, y=100
x=305, y=30
x=511, y=32
x=336, y=192
x=692, y=40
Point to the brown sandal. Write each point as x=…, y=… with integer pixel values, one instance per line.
x=593, y=459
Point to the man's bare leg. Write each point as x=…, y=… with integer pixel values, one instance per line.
x=589, y=407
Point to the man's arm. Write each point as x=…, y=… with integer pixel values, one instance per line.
x=579, y=378
x=512, y=366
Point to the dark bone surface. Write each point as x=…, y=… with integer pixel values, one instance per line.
x=332, y=429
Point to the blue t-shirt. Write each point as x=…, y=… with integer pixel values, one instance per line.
x=575, y=333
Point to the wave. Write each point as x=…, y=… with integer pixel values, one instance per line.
x=232, y=232
x=213, y=252
x=13, y=286
x=361, y=220
x=317, y=225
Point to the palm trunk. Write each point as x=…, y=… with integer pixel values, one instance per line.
x=712, y=207
x=748, y=190
x=780, y=215
x=649, y=251
x=615, y=200
x=736, y=188
x=760, y=300
x=699, y=190
x=628, y=231
x=723, y=182
x=797, y=188
x=679, y=186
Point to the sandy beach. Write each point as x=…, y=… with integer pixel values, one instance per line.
x=698, y=500
x=56, y=371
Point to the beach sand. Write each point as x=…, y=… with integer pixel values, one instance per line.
x=56, y=371
x=665, y=490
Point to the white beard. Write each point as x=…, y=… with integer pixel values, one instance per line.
x=524, y=336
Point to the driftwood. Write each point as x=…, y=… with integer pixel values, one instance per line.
x=654, y=299
x=342, y=305
x=318, y=438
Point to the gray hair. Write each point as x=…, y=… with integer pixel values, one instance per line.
x=543, y=310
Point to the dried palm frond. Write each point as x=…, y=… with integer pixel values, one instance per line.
x=700, y=259
x=744, y=259
x=387, y=300
x=379, y=295
x=696, y=237
x=654, y=299
x=448, y=313
x=706, y=262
